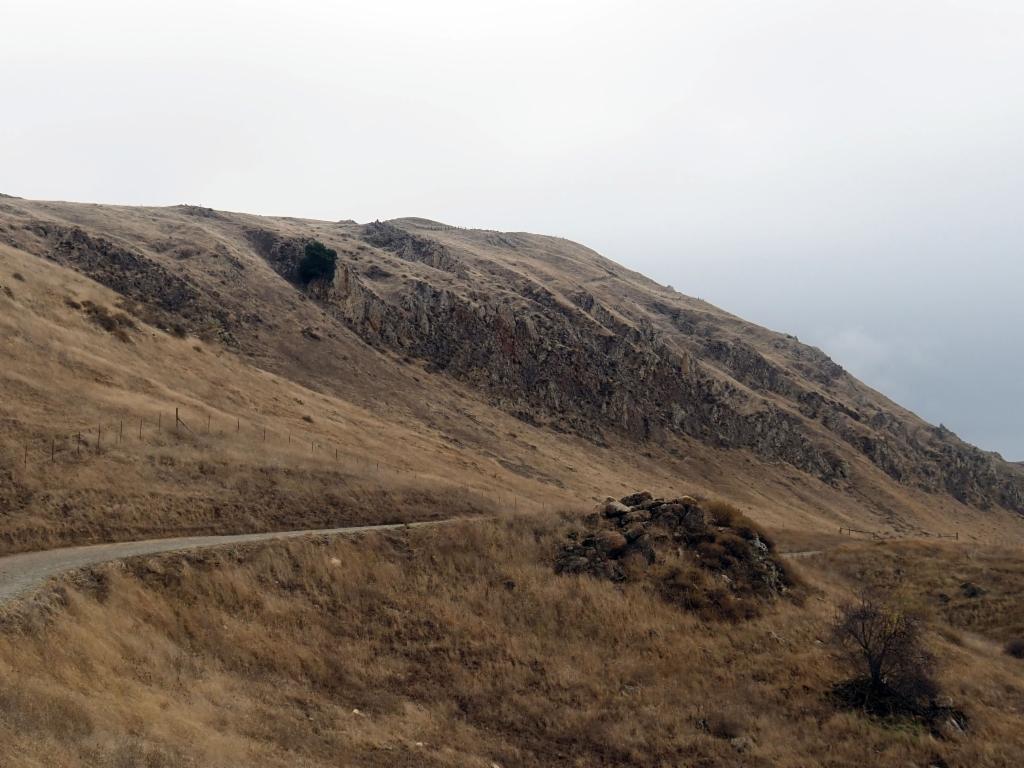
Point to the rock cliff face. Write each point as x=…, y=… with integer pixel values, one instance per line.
x=642, y=366
x=543, y=328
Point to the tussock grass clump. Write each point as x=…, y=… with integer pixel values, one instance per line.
x=115, y=323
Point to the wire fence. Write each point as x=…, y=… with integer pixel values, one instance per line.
x=164, y=429
x=887, y=535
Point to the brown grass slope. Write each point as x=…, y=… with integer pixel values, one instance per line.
x=455, y=647
x=524, y=369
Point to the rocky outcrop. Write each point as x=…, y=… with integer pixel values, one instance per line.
x=538, y=356
x=155, y=294
x=412, y=247
x=575, y=365
x=705, y=557
x=282, y=253
x=605, y=355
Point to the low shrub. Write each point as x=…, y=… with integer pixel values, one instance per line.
x=115, y=323
x=1015, y=648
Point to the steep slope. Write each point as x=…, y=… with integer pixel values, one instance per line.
x=510, y=364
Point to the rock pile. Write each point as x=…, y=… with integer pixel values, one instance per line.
x=683, y=544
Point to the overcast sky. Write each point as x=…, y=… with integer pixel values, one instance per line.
x=848, y=171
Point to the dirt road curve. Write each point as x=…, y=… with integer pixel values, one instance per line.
x=20, y=574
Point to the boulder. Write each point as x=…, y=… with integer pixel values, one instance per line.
x=634, y=532
x=611, y=542
x=615, y=509
x=637, y=498
x=670, y=514
x=693, y=519
x=635, y=516
x=645, y=546
x=650, y=504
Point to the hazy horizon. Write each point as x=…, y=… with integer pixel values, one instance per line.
x=850, y=174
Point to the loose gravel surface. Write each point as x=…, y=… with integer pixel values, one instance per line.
x=22, y=573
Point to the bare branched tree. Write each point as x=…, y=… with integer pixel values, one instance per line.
x=882, y=644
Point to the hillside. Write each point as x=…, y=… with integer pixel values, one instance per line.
x=486, y=369
x=169, y=372
x=459, y=647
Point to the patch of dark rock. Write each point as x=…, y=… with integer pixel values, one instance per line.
x=376, y=273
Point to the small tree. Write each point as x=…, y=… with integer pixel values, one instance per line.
x=318, y=263
x=882, y=645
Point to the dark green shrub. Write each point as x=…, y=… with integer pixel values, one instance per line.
x=318, y=263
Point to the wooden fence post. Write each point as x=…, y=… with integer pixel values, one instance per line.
x=53, y=449
x=140, y=426
x=120, y=432
x=99, y=436
x=176, y=421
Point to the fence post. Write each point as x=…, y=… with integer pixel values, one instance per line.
x=120, y=432
x=26, y=457
x=238, y=425
x=264, y=434
x=176, y=420
x=208, y=418
x=53, y=449
x=140, y=426
x=99, y=436
x=78, y=445
x=159, y=423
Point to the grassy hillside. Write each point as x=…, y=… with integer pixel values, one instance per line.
x=460, y=647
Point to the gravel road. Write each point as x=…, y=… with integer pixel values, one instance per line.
x=22, y=573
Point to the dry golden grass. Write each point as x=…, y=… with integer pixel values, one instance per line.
x=458, y=646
